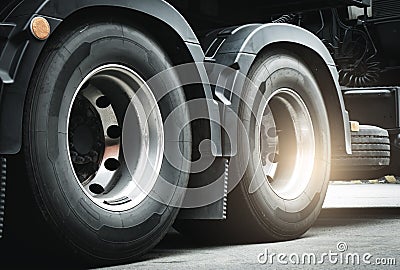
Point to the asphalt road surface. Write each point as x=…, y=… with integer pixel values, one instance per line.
x=344, y=237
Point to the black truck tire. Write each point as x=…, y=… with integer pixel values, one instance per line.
x=370, y=155
x=73, y=132
x=370, y=147
x=264, y=212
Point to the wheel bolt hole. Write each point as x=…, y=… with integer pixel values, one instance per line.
x=270, y=179
x=273, y=158
x=103, y=102
x=112, y=164
x=96, y=189
x=114, y=132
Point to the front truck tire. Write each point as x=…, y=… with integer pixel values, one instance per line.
x=75, y=148
x=284, y=152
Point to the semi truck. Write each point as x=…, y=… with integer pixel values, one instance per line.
x=224, y=119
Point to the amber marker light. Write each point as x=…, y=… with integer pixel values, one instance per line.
x=40, y=28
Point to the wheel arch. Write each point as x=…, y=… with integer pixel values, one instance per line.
x=326, y=79
x=240, y=47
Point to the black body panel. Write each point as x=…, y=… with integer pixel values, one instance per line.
x=206, y=14
x=375, y=106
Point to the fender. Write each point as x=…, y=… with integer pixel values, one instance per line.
x=238, y=47
x=21, y=50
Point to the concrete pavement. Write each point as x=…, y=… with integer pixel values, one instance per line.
x=363, y=231
x=358, y=216
x=371, y=231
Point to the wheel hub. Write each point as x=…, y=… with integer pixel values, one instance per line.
x=83, y=140
x=287, y=144
x=95, y=134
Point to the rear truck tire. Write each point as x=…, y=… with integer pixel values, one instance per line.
x=370, y=158
x=287, y=163
x=82, y=157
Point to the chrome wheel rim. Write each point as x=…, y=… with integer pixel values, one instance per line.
x=287, y=144
x=117, y=173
